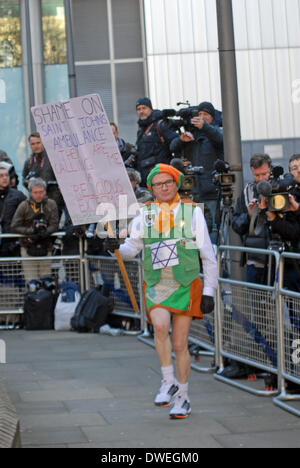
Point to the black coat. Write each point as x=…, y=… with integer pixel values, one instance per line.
x=204, y=151
x=153, y=144
x=10, y=199
x=241, y=224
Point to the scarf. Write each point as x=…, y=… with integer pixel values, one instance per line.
x=165, y=221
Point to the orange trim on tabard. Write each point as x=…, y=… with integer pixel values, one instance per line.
x=194, y=309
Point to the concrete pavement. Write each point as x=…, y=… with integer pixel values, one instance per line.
x=97, y=391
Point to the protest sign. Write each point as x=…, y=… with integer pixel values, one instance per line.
x=86, y=160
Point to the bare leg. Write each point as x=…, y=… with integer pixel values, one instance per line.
x=181, y=328
x=161, y=320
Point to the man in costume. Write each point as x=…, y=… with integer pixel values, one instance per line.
x=172, y=232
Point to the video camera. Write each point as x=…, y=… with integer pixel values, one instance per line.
x=185, y=115
x=188, y=183
x=133, y=154
x=224, y=178
x=277, y=189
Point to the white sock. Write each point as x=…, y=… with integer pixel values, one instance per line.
x=183, y=390
x=168, y=374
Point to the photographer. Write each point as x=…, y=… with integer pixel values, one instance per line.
x=38, y=166
x=246, y=207
x=245, y=213
x=203, y=146
x=10, y=199
x=153, y=139
x=287, y=226
x=36, y=218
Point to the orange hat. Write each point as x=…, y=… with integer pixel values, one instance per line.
x=165, y=169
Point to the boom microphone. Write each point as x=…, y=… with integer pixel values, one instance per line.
x=178, y=164
x=264, y=188
x=168, y=113
x=221, y=166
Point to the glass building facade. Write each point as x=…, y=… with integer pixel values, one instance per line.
x=167, y=49
x=12, y=104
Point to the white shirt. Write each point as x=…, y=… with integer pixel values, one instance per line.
x=134, y=244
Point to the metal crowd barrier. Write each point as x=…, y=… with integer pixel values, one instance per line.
x=105, y=270
x=247, y=323
x=254, y=324
x=289, y=348
x=16, y=271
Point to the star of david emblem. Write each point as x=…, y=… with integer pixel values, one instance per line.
x=164, y=254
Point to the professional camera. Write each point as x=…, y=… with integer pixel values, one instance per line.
x=276, y=191
x=40, y=225
x=190, y=172
x=224, y=178
x=184, y=117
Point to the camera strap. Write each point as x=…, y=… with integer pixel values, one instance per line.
x=257, y=224
x=159, y=132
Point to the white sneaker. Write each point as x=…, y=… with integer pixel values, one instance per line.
x=181, y=408
x=166, y=393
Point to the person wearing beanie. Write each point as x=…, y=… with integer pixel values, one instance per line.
x=153, y=139
x=172, y=232
x=203, y=146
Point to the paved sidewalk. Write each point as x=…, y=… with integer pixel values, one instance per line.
x=85, y=390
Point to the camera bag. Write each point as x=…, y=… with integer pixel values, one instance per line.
x=39, y=310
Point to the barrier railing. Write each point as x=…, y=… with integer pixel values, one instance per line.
x=105, y=270
x=254, y=324
x=15, y=272
x=289, y=348
x=247, y=323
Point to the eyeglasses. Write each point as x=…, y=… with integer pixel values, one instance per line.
x=167, y=183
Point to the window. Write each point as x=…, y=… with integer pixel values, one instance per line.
x=54, y=32
x=10, y=40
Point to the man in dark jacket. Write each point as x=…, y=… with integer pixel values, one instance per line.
x=38, y=166
x=10, y=199
x=203, y=146
x=153, y=139
x=247, y=205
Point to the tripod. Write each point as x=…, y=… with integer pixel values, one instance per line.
x=223, y=220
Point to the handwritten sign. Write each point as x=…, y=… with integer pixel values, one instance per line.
x=85, y=158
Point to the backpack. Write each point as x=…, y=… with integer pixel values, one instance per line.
x=92, y=311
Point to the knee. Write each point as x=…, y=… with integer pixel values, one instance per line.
x=161, y=330
x=179, y=345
